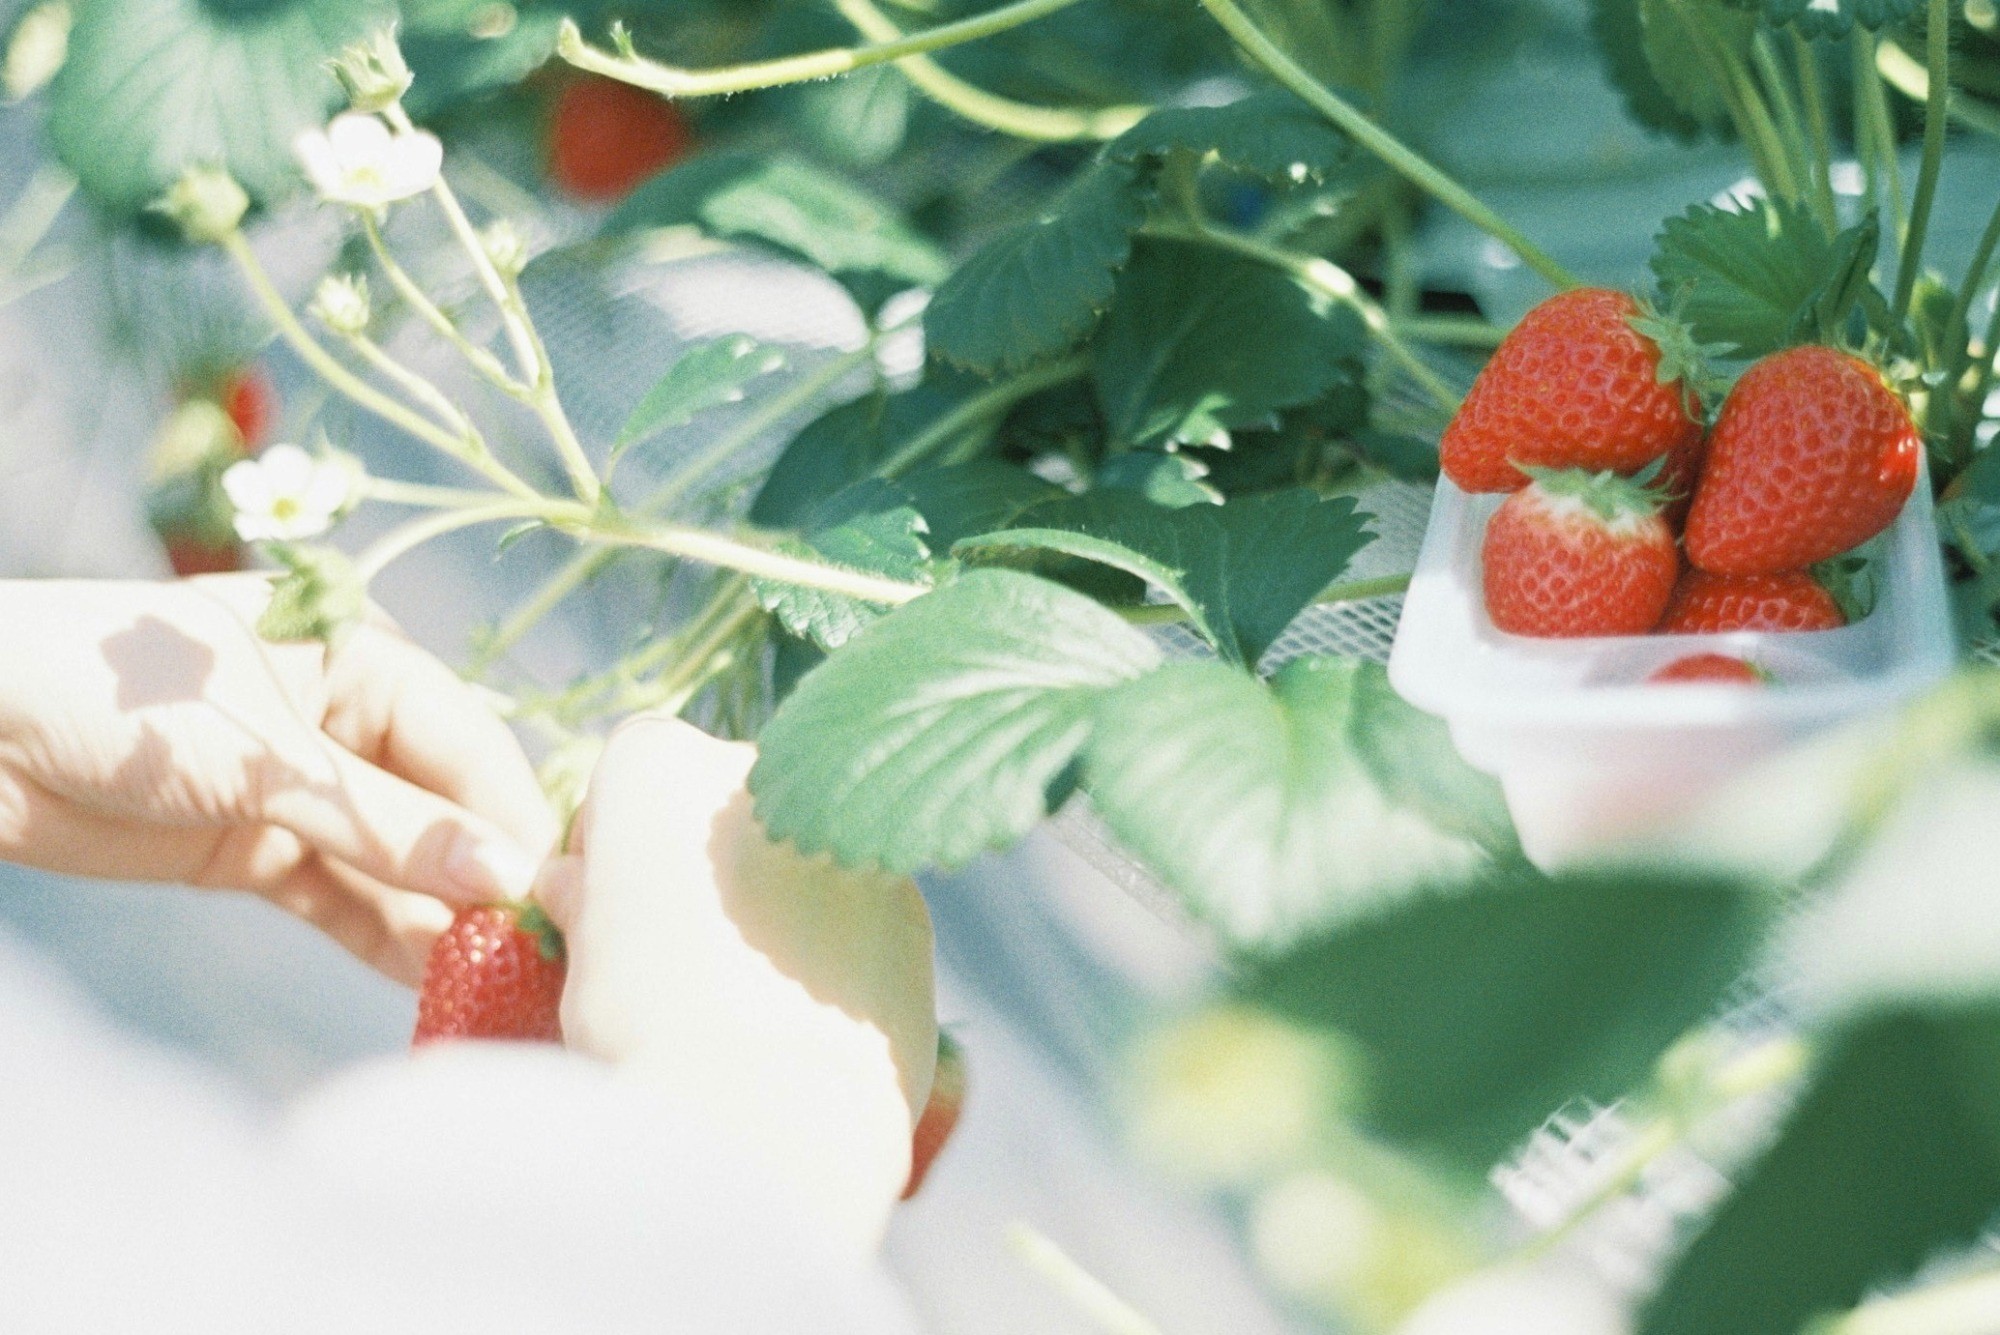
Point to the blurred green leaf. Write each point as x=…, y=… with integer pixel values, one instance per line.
x=940, y=731
x=153, y=86
x=1271, y=134
x=1831, y=18
x=1480, y=1010
x=1036, y=290
x=1270, y=808
x=1690, y=45
x=1199, y=342
x=458, y=49
x=1891, y=1158
x=708, y=375
x=1620, y=35
x=789, y=205
x=960, y=500
x=1242, y=571
x=1172, y=480
x=871, y=526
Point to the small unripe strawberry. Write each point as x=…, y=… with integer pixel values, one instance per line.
x=1574, y=385
x=1811, y=455
x=1720, y=668
x=940, y=1115
x=1704, y=603
x=1576, y=553
x=497, y=972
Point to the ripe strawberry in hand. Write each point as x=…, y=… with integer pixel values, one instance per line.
x=1577, y=553
x=1811, y=455
x=1704, y=603
x=497, y=972
x=1719, y=668
x=1574, y=385
x=940, y=1115
x=606, y=137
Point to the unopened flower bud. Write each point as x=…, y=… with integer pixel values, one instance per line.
x=504, y=245
x=341, y=304
x=206, y=202
x=373, y=72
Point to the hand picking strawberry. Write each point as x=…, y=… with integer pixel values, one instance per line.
x=497, y=972
x=1577, y=553
x=1704, y=603
x=1811, y=455
x=1574, y=385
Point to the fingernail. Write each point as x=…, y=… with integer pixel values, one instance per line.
x=488, y=868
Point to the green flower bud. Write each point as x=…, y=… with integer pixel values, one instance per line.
x=206, y=203
x=341, y=304
x=504, y=245
x=373, y=72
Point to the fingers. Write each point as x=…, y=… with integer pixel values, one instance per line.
x=402, y=835
x=401, y=709
x=559, y=890
x=389, y=930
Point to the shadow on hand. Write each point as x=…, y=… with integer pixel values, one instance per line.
x=157, y=664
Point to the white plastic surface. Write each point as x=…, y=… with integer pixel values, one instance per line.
x=1587, y=753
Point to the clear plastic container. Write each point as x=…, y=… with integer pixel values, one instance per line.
x=1590, y=755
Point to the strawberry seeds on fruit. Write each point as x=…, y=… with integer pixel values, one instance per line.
x=1706, y=603
x=497, y=972
x=1719, y=669
x=1576, y=553
x=1575, y=384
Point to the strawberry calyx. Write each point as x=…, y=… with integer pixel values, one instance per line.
x=1613, y=500
x=1683, y=358
x=532, y=919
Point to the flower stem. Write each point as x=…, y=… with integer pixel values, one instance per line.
x=1937, y=44
x=670, y=81
x=988, y=403
x=1812, y=92
x=1330, y=280
x=358, y=390
x=1110, y=1313
x=1876, y=129
x=414, y=534
x=1020, y=119
x=1392, y=151
x=418, y=388
x=419, y=301
x=714, y=549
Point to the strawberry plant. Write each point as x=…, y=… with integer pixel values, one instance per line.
x=1195, y=287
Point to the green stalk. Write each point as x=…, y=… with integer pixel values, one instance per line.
x=1449, y=331
x=419, y=301
x=713, y=549
x=417, y=532
x=1813, y=93
x=1938, y=53
x=1105, y=1309
x=669, y=81
x=1980, y=386
x=1872, y=106
x=986, y=404
x=1398, y=156
x=1023, y=121
x=1330, y=280
x=1790, y=122
x=1909, y=77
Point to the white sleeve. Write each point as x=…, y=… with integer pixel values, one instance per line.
x=474, y=1189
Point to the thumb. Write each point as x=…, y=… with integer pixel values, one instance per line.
x=402, y=835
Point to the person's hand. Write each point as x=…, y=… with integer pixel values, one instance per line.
x=147, y=733
x=788, y=999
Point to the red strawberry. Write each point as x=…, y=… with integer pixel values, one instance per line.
x=1812, y=454
x=251, y=404
x=1679, y=476
x=940, y=1116
x=497, y=972
x=1712, y=668
x=1790, y=600
x=191, y=554
x=1573, y=385
x=1576, y=553
x=606, y=137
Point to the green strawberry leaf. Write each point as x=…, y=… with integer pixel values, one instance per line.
x=1891, y=1158
x=1172, y=480
x=153, y=86
x=459, y=50
x=1831, y=18
x=1200, y=342
x=1691, y=45
x=1275, y=808
x=1242, y=571
x=708, y=375
x=1037, y=290
x=790, y=206
x=1752, y=280
x=1620, y=35
x=871, y=526
x=942, y=729
x=1477, y=1011
x=979, y=496
x=1271, y=134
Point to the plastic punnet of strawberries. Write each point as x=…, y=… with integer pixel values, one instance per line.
x=1629, y=514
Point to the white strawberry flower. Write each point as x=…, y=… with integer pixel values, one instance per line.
x=286, y=495
x=358, y=160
